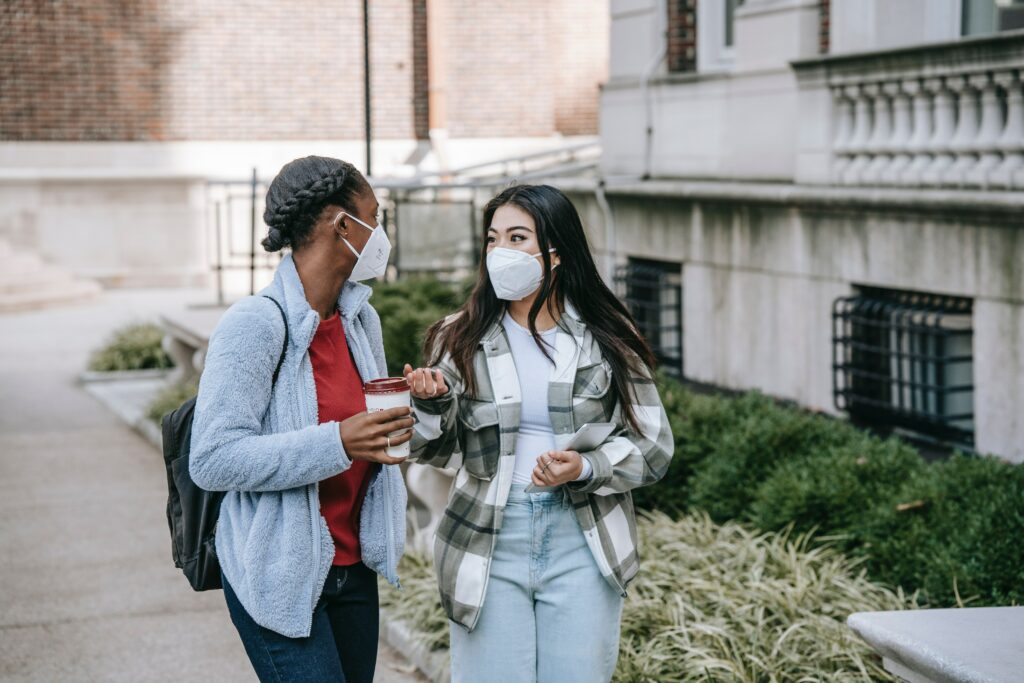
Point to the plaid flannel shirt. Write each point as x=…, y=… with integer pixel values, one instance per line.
x=476, y=435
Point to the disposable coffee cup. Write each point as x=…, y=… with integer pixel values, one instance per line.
x=389, y=392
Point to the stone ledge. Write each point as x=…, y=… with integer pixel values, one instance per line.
x=791, y=194
x=973, y=645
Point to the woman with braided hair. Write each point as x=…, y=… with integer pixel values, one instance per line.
x=314, y=507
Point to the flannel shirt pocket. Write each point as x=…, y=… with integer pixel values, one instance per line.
x=592, y=381
x=591, y=399
x=480, y=437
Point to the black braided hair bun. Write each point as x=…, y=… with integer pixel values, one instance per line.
x=300, y=191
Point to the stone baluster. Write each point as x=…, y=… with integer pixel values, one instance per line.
x=942, y=133
x=881, y=134
x=902, y=130
x=962, y=144
x=1010, y=173
x=989, y=133
x=861, y=133
x=918, y=145
x=844, y=129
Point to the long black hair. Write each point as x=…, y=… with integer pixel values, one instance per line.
x=300, y=191
x=576, y=279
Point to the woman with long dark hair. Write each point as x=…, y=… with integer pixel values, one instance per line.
x=533, y=581
x=315, y=508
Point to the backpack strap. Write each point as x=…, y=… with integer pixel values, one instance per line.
x=284, y=349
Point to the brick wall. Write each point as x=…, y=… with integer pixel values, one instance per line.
x=190, y=70
x=682, y=35
x=392, y=67
x=582, y=63
x=824, y=24
x=132, y=70
x=544, y=61
x=515, y=94
x=90, y=71
x=420, y=95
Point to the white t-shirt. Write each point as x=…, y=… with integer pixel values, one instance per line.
x=534, y=370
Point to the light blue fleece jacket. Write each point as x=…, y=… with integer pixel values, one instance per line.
x=267, y=449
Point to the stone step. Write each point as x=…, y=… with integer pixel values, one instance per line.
x=17, y=262
x=27, y=282
x=75, y=291
x=45, y=277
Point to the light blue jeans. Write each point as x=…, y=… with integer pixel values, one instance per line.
x=548, y=616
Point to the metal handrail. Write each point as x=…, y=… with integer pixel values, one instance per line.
x=571, y=160
x=420, y=182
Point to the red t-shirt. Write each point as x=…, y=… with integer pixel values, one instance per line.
x=339, y=396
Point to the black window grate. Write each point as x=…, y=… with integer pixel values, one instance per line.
x=653, y=293
x=904, y=360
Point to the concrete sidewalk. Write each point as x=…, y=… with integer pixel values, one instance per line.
x=88, y=591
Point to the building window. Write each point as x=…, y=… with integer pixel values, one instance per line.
x=824, y=26
x=653, y=293
x=682, y=36
x=716, y=22
x=980, y=17
x=730, y=20
x=904, y=361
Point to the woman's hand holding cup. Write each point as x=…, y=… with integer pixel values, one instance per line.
x=425, y=382
x=365, y=435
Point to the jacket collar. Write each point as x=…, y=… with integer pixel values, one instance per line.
x=302, y=320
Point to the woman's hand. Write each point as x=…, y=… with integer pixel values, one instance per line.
x=365, y=435
x=425, y=383
x=557, y=467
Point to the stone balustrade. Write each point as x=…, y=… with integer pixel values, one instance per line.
x=949, y=115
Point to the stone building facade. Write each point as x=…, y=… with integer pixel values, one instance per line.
x=823, y=200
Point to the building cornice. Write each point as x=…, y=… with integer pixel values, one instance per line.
x=820, y=196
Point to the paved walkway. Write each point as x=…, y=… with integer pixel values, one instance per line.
x=87, y=588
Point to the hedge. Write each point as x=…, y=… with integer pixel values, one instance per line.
x=407, y=308
x=133, y=347
x=948, y=529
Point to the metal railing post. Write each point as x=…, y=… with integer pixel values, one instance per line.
x=252, y=250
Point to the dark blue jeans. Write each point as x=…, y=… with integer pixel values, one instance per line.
x=342, y=646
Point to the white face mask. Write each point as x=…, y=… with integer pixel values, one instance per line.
x=514, y=274
x=373, y=262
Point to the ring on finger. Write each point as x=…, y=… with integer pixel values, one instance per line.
x=387, y=437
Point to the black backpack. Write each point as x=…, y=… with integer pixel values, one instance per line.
x=191, y=511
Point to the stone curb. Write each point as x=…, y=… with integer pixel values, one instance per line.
x=398, y=634
x=90, y=376
x=133, y=416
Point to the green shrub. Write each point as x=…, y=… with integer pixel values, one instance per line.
x=948, y=529
x=762, y=436
x=169, y=398
x=954, y=532
x=407, y=308
x=715, y=603
x=835, y=491
x=698, y=422
x=135, y=347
